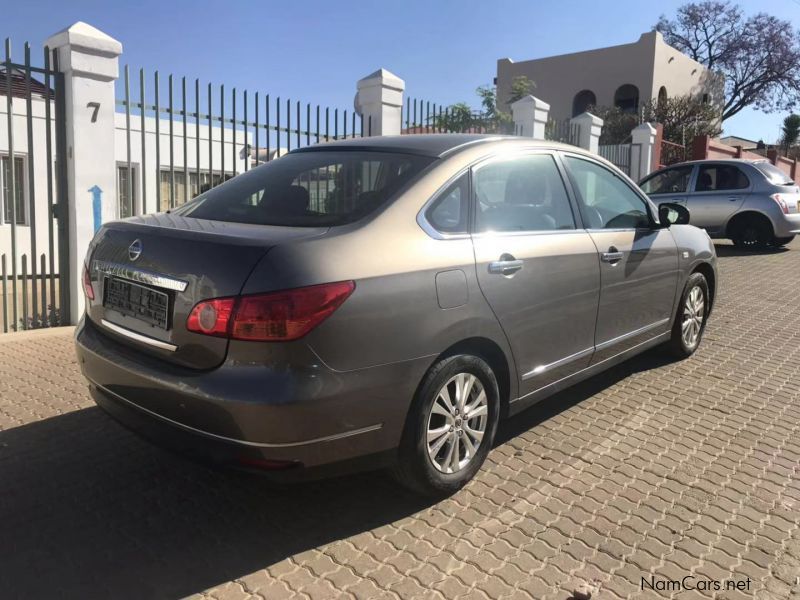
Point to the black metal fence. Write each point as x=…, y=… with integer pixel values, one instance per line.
x=183, y=137
x=34, y=261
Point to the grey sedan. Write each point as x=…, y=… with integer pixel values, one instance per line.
x=383, y=302
x=753, y=203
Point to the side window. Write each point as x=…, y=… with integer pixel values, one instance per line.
x=605, y=200
x=448, y=213
x=717, y=178
x=525, y=193
x=669, y=181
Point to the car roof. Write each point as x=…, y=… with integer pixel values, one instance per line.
x=732, y=161
x=436, y=145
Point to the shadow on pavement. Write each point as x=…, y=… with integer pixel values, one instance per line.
x=731, y=250
x=89, y=510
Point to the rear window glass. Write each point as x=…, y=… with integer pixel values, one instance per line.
x=773, y=174
x=309, y=189
x=718, y=178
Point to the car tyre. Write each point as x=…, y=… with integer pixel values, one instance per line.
x=752, y=234
x=691, y=317
x=441, y=415
x=782, y=241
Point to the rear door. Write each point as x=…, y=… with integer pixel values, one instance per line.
x=536, y=269
x=669, y=185
x=719, y=190
x=638, y=260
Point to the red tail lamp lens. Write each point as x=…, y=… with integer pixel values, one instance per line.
x=274, y=317
x=87, y=283
x=211, y=317
x=288, y=315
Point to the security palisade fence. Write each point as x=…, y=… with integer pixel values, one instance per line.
x=34, y=261
x=184, y=137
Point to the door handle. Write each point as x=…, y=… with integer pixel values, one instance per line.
x=734, y=198
x=507, y=265
x=613, y=256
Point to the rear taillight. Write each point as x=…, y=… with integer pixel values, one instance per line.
x=87, y=283
x=781, y=202
x=211, y=317
x=274, y=317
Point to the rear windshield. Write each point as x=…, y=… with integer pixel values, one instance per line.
x=773, y=174
x=309, y=189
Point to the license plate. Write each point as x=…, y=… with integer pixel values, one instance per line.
x=138, y=301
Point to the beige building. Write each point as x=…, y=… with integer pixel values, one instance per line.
x=624, y=76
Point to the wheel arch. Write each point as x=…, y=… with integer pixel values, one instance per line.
x=494, y=356
x=740, y=217
x=707, y=271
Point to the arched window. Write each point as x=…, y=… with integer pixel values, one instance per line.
x=582, y=101
x=626, y=98
x=662, y=95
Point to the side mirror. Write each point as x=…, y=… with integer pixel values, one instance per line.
x=672, y=214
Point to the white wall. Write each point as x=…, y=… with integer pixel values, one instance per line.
x=39, y=189
x=232, y=145
x=24, y=232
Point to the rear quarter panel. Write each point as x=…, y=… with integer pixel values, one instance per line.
x=394, y=314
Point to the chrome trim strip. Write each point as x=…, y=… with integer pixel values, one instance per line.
x=630, y=350
x=327, y=438
x=138, y=275
x=543, y=368
x=139, y=337
x=631, y=334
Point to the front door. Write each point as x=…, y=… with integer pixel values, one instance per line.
x=719, y=191
x=536, y=269
x=638, y=260
x=670, y=185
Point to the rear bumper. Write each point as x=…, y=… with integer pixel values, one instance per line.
x=787, y=225
x=300, y=415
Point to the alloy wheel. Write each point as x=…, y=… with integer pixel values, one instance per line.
x=693, y=315
x=457, y=423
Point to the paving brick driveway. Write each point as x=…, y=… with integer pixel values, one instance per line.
x=655, y=469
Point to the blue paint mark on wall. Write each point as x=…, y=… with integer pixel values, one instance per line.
x=97, y=206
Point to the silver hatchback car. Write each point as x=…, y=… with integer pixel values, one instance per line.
x=753, y=203
x=383, y=302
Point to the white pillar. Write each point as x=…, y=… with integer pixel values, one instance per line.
x=643, y=140
x=530, y=117
x=379, y=101
x=89, y=60
x=589, y=129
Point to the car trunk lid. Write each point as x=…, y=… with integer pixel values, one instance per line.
x=148, y=272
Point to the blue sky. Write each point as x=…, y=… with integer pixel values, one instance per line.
x=315, y=51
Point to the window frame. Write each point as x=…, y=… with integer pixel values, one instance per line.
x=26, y=221
x=515, y=154
x=689, y=183
x=696, y=178
x=649, y=205
x=422, y=215
x=134, y=175
x=426, y=222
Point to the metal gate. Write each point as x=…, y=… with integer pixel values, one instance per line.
x=617, y=154
x=34, y=255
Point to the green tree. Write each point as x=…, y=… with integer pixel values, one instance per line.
x=521, y=86
x=456, y=118
x=790, y=132
x=490, y=119
x=758, y=55
x=682, y=117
